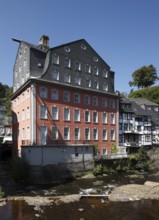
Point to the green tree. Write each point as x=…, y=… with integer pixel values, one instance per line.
x=147, y=93
x=144, y=77
x=5, y=94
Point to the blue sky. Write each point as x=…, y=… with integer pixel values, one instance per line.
x=125, y=33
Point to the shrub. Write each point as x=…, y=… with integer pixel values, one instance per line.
x=1, y=192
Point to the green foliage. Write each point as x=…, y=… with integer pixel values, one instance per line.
x=98, y=170
x=114, y=149
x=144, y=77
x=149, y=93
x=19, y=169
x=5, y=94
x=96, y=149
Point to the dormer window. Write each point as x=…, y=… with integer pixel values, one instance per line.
x=55, y=59
x=55, y=75
x=67, y=62
x=105, y=86
x=88, y=83
x=96, y=70
x=78, y=65
x=87, y=68
x=105, y=73
x=67, y=78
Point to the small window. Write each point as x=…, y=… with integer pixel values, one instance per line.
x=87, y=133
x=83, y=47
x=88, y=83
x=95, y=101
x=77, y=115
x=104, y=118
x=76, y=98
x=104, y=151
x=104, y=134
x=87, y=100
x=105, y=73
x=67, y=49
x=66, y=133
x=112, y=135
x=112, y=103
x=95, y=134
x=96, y=70
x=87, y=68
x=55, y=59
x=54, y=133
x=67, y=78
x=54, y=94
x=96, y=84
x=112, y=118
x=76, y=133
x=104, y=102
x=78, y=65
x=66, y=114
x=55, y=113
x=87, y=116
x=67, y=62
x=55, y=75
x=43, y=92
x=66, y=96
x=78, y=80
x=43, y=112
x=105, y=86
x=95, y=117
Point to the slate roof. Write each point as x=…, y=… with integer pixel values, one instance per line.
x=142, y=101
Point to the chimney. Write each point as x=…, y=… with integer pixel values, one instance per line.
x=44, y=41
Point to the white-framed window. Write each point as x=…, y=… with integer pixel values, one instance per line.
x=104, y=102
x=95, y=101
x=76, y=133
x=55, y=113
x=23, y=114
x=78, y=80
x=78, y=65
x=87, y=68
x=28, y=133
x=87, y=133
x=95, y=117
x=54, y=94
x=66, y=96
x=96, y=70
x=112, y=103
x=67, y=62
x=54, y=133
x=43, y=92
x=96, y=84
x=95, y=134
x=104, y=134
x=104, y=117
x=28, y=112
x=87, y=116
x=105, y=86
x=112, y=118
x=105, y=73
x=23, y=133
x=87, y=100
x=67, y=78
x=55, y=59
x=104, y=151
x=76, y=98
x=43, y=112
x=88, y=82
x=55, y=75
x=66, y=133
x=76, y=115
x=112, y=135
x=66, y=114
x=43, y=135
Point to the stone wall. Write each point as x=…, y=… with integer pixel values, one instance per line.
x=59, y=172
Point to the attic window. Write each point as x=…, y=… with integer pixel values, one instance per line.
x=95, y=59
x=67, y=49
x=83, y=47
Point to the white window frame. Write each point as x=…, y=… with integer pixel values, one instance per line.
x=54, y=133
x=87, y=135
x=55, y=59
x=66, y=114
x=87, y=115
x=55, y=113
x=43, y=111
x=77, y=135
x=95, y=117
x=77, y=115
x=104, y=117
x=112, y=118
x=66, y=131
x=95, y=134
x=112, y=135
x=104, y=134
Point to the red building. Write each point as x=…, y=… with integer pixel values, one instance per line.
x=63, y=97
